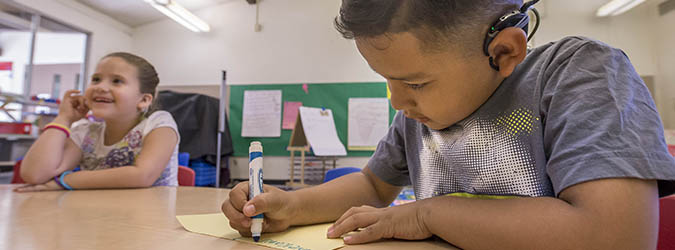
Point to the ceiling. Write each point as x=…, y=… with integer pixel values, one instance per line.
x=137, y=12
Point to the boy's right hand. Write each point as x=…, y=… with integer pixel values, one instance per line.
x=273, y=202
x=72, y=107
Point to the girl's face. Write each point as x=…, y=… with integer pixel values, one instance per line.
x=114, y=92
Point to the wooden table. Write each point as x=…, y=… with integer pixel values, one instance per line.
x=124, y=219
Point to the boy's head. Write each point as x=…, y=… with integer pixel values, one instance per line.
x=431, y=52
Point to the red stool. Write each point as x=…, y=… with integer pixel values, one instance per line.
x=666, y=223
x=186, y=176
x=16, y=177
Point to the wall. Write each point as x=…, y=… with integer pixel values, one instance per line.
x=297, y=44
x=630, y=31
x=108, y=35
x=663, y=40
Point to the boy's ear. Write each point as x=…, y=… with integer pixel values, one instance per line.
x=146, y=101
x=508, y=49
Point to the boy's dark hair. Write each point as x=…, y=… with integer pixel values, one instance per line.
x=437, y=23
x=147, y=76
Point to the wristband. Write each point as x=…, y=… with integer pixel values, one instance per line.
x=58, y=181
x=63, y=183
x=59, y=127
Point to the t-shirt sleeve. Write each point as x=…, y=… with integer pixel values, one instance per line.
x=160, y=119
x=389, y=160
x=600, y=120
x=78, y=131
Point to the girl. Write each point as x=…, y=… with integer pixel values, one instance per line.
x=131, y=147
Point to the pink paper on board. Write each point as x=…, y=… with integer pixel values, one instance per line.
x=305, y=88
x=290, y=114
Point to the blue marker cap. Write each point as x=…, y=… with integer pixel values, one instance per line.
x=323, y=108
x=256, y=238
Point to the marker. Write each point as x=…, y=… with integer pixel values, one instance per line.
x=255, y=184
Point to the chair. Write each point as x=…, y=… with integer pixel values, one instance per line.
x=666, y=223
x=16, y=177
x=337, y=172
x=186, y=176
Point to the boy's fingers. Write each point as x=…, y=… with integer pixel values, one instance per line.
x=263, y=203
x=351, y=223
x=235, y=216
x=352, y=211
x=239, y=196
x=368, y=234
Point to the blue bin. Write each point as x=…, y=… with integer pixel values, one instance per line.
x=205, y=173
x=183, y=159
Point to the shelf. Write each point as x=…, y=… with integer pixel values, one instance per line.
x=14, y=98
x=7, y=163
x=12, y=137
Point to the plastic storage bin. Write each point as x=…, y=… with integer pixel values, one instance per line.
x=205, y=173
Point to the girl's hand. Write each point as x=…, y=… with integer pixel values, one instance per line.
x=399, y=222
x=49, y=186
x=73, y=107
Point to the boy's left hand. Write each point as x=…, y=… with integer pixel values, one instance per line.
x=400, y=222
x=48, y=186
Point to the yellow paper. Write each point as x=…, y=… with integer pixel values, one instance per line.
x=304, y=237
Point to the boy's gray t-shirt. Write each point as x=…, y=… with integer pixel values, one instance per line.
x=572, y=111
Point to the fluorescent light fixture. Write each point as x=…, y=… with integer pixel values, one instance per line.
x=179, y=14
x=617, y=7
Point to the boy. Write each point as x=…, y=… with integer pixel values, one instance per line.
x=559, y=147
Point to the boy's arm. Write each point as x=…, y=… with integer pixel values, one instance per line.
x=157, y=149
x=340, y=194
x=318, y=204
x=599, y=214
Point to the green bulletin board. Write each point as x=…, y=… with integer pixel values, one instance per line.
x=334, y=96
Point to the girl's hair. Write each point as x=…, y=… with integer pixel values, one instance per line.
x=436, y=23
x=147, y=76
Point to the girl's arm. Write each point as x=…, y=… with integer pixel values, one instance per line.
x=54, y=152
x=49, y=156
x=158, y=146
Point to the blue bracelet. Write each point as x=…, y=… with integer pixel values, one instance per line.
x=56, y=179
x=62, y=182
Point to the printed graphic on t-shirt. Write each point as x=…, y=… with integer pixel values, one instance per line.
x=481, y=156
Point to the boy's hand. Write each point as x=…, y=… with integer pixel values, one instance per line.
x=72, y=108
x=400, y=222
x=273, y=202
x=48, y=186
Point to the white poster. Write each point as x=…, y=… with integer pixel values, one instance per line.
x=368, y=122
x=261, y=113
x=319, y=128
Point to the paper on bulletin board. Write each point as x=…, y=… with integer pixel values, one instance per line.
x=368, y=122
x=261, y=113
x=319, y=128
x=290, y=114
x=304, y=237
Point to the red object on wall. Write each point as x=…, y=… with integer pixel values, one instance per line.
x=15, y=128
x=5, y=65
